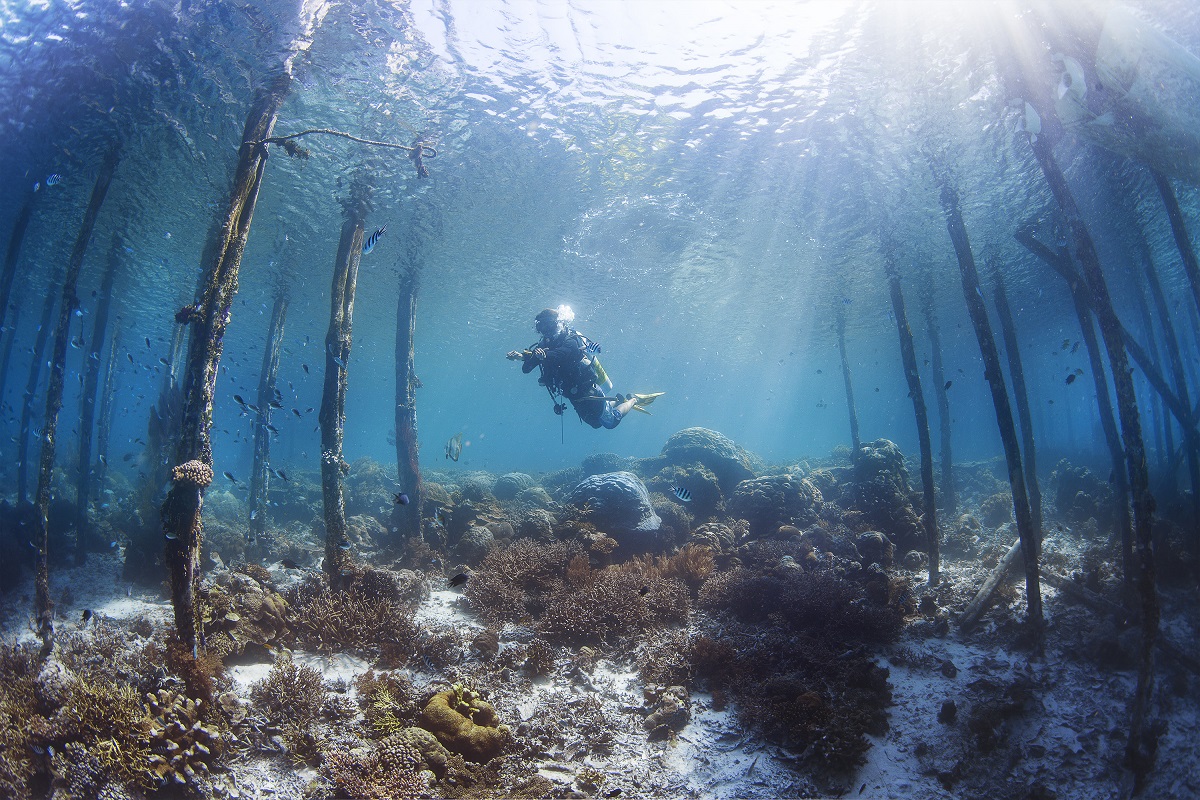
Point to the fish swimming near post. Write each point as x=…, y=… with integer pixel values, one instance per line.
x=454, y=447
x=682, y=493
x=400, y=499
x=369, y=245
x=53, y=179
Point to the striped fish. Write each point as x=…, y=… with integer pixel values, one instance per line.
x=369, y=245
x=682, y=493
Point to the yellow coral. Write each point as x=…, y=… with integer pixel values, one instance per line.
x=465, y=724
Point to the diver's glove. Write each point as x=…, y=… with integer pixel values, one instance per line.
x=516, y=355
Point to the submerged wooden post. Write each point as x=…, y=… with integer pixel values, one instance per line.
x=909, y=356
x=406, y=519
x=1140, y=750
x=1179, y=378
x=1179, y=230
x=107, y=395
x=13, y=255
x=9, y=339
x=260, y=474
x=332, y=416
x=840, y=322
x=8, y=325
x=54, y=394
x=995, y=378
x=1008, y=331
x=181, y=512
x=28, y=399
x=946, y=465
x=87, y=405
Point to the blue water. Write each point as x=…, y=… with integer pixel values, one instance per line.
x=704, y=183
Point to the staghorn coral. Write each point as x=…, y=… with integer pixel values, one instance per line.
x=21, y=727
x=182, y=746
x=514, y=582
x=691, y=565
x=615, y=603
x=465, y=724
x=290, y=693
x=350, y=620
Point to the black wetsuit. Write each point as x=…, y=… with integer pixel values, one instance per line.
x=567, y=371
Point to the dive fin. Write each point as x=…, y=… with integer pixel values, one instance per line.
x=642, y=400
x=602, y=378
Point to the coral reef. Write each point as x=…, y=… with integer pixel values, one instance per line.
x=771, y=501
x=878, y=497
x=509, y=485
x=182, y=746
x=465, y=724
x=997, y=510
x=619, y=504
x=672, y=710
x=1080, y=495
x=474, y=545
x=728, y=461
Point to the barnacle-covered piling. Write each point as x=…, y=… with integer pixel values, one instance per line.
x=406, y=518
x=995, y=378
x=87, y=405
x=260, y=475
x=946, y=455
x=332, y=416
x=909, y=356
x=7, y=278
x=1008, y=331
x=107, y=395
x=181, y=520
x=54, y=390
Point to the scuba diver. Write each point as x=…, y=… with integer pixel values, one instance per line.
x=570, y=369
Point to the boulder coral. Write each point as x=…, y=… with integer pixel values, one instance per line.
x=619, y=504
x=731, y=463
x=465, y=724
x=775, y=500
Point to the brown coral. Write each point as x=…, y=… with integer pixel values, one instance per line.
x=465, y=724
x=181, y=745
x=194, y=473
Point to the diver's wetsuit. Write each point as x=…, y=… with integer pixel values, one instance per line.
x=567, y=370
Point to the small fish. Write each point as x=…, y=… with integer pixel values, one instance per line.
x=171, y=536
x=53, y=179
x=344, y=544
x=459, y=579
x=147, y=342
x=296, y=411
x=1075, y=347
x=948, y=384
x=339, y=362
x=164, y=362
x=237, y=398
x=130, y=357
x=454, y=447
x=229, y=475
x=287, y=563
x=682, y=493
x=1066, y=343
x=645, y=590
x=305, y=368
x=440, y=516
x=275, y=404
x=87, y=615
x=369, y=245
x=820, y=372
x=1070, y=379
x=400, y=499
x=281, y=474
x=103, y=459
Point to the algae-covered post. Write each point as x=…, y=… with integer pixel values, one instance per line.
x=54, y=391
x=260, y=474
x=840, y=324
x=909, y=357
x=406, y=517
x=1140, y=750
x=1179, y=230
x=332, y=416
x=946, y=465
x=28, y=398
x=1008, y=331
x=1108, y=422
x=107, y=395
x=13, y=255
x=7, y=277
x=1163, y=430
x=995, y=378
x=87, y=405
x=181, y=521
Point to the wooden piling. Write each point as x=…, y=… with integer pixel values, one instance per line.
x=87, y=405
x=995, y=378
x=192, y=474
x=332, y=416
x=1179, y=230
x=260, y=473
x=909, y=358
x=54, y=395
x=1008, y=331
x=406, y=519
x=8, y=322
x=28, y=399
x=946, y=455
x=107, y=396
x=840, y=323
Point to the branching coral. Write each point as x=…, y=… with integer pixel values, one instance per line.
x=514, y=582
x=388, y=701
x=351, y=620
x=371, y=775
x=616, y=602
x=290, y=693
